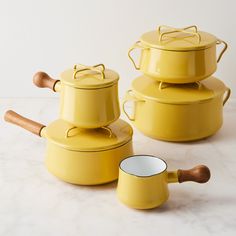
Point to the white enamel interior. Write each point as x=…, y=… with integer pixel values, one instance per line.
x=142, y=165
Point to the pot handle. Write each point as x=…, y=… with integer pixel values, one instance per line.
x=129, y=96
x=137, y=45
x=88, y=69
x=219, y=41
x=175, y=30
x=68, y=131
x=43, y=80
x=30, y=125
x=198, y=174
x=228, y=92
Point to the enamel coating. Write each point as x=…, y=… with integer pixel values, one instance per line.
x=176, y=122
x=89, y=108
x=71, y=158
x=144, y=192
x=89, y=96
x=86, y=168
x=88, y=140
x=179, y=60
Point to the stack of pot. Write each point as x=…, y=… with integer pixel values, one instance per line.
x=177, y=98
x=88, y=141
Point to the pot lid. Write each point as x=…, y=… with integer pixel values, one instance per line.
x=149, y=88
x=73, y=138
x=89, y=77
x=185, y=39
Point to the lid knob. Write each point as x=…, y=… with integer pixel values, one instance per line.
x=100, y=68
x=171, y=30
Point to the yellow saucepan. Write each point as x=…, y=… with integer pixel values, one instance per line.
x=177, y=112
x=81, y=156
x=89, y=95
x=143, y=180
x=177, y=55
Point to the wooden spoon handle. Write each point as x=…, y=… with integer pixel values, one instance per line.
x=30, y=125
x=199, y=174
x=43, y=80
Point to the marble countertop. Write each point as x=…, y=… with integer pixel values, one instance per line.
x=34, y=202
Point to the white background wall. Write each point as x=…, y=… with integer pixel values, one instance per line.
x=52, y=35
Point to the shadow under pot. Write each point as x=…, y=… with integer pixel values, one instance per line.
x=177, y=55
x=89, y=95
x=81, y=156
x=143, y=180
x=181, y=112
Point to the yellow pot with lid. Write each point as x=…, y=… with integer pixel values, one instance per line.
x=81, y=156
x=89, y=95
x=177, y=112
x=174, y=55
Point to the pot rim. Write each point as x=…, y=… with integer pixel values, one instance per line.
x=110, y=77
x=142, y=88
x=144, y=176
x=92, y=151
x=187, y=39
x=149, y=46
x=143, y=98
x=84, y=88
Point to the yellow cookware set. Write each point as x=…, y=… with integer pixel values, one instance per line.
x=88, y=141
x=176, y=99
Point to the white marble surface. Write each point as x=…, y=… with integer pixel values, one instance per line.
x=33, y=202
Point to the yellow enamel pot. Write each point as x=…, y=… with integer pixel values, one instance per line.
x=177, y=55
x=81, y=156
x=177, y=112
x=143, y=180
x=89, y=95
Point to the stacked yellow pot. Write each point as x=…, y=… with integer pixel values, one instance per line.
x=177, y=98
x=88, y=141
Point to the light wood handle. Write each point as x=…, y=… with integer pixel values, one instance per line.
x=43, y=80
x=199, y=174
x=30, y=125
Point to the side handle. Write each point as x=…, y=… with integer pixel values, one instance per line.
x=137, y=45
x=30, y=125
x=223, y=50
x=228, y=92
x=43, y=80
x=129, y=96
x=198, y=174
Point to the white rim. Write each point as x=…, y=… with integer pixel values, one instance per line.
x=143, y=165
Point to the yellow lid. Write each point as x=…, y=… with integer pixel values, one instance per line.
x=185, y=39
x=149, y=88
x=89, y=77
x=74, y=138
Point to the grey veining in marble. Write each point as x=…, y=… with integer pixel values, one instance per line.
x=33, y=202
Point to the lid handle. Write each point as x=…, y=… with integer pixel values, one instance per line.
x=100, y=69
x=188, y=30
x=163, y=85
x=69, y=130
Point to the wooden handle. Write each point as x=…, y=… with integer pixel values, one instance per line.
x=199, y=174
x=43, y=80
x=30, y=125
